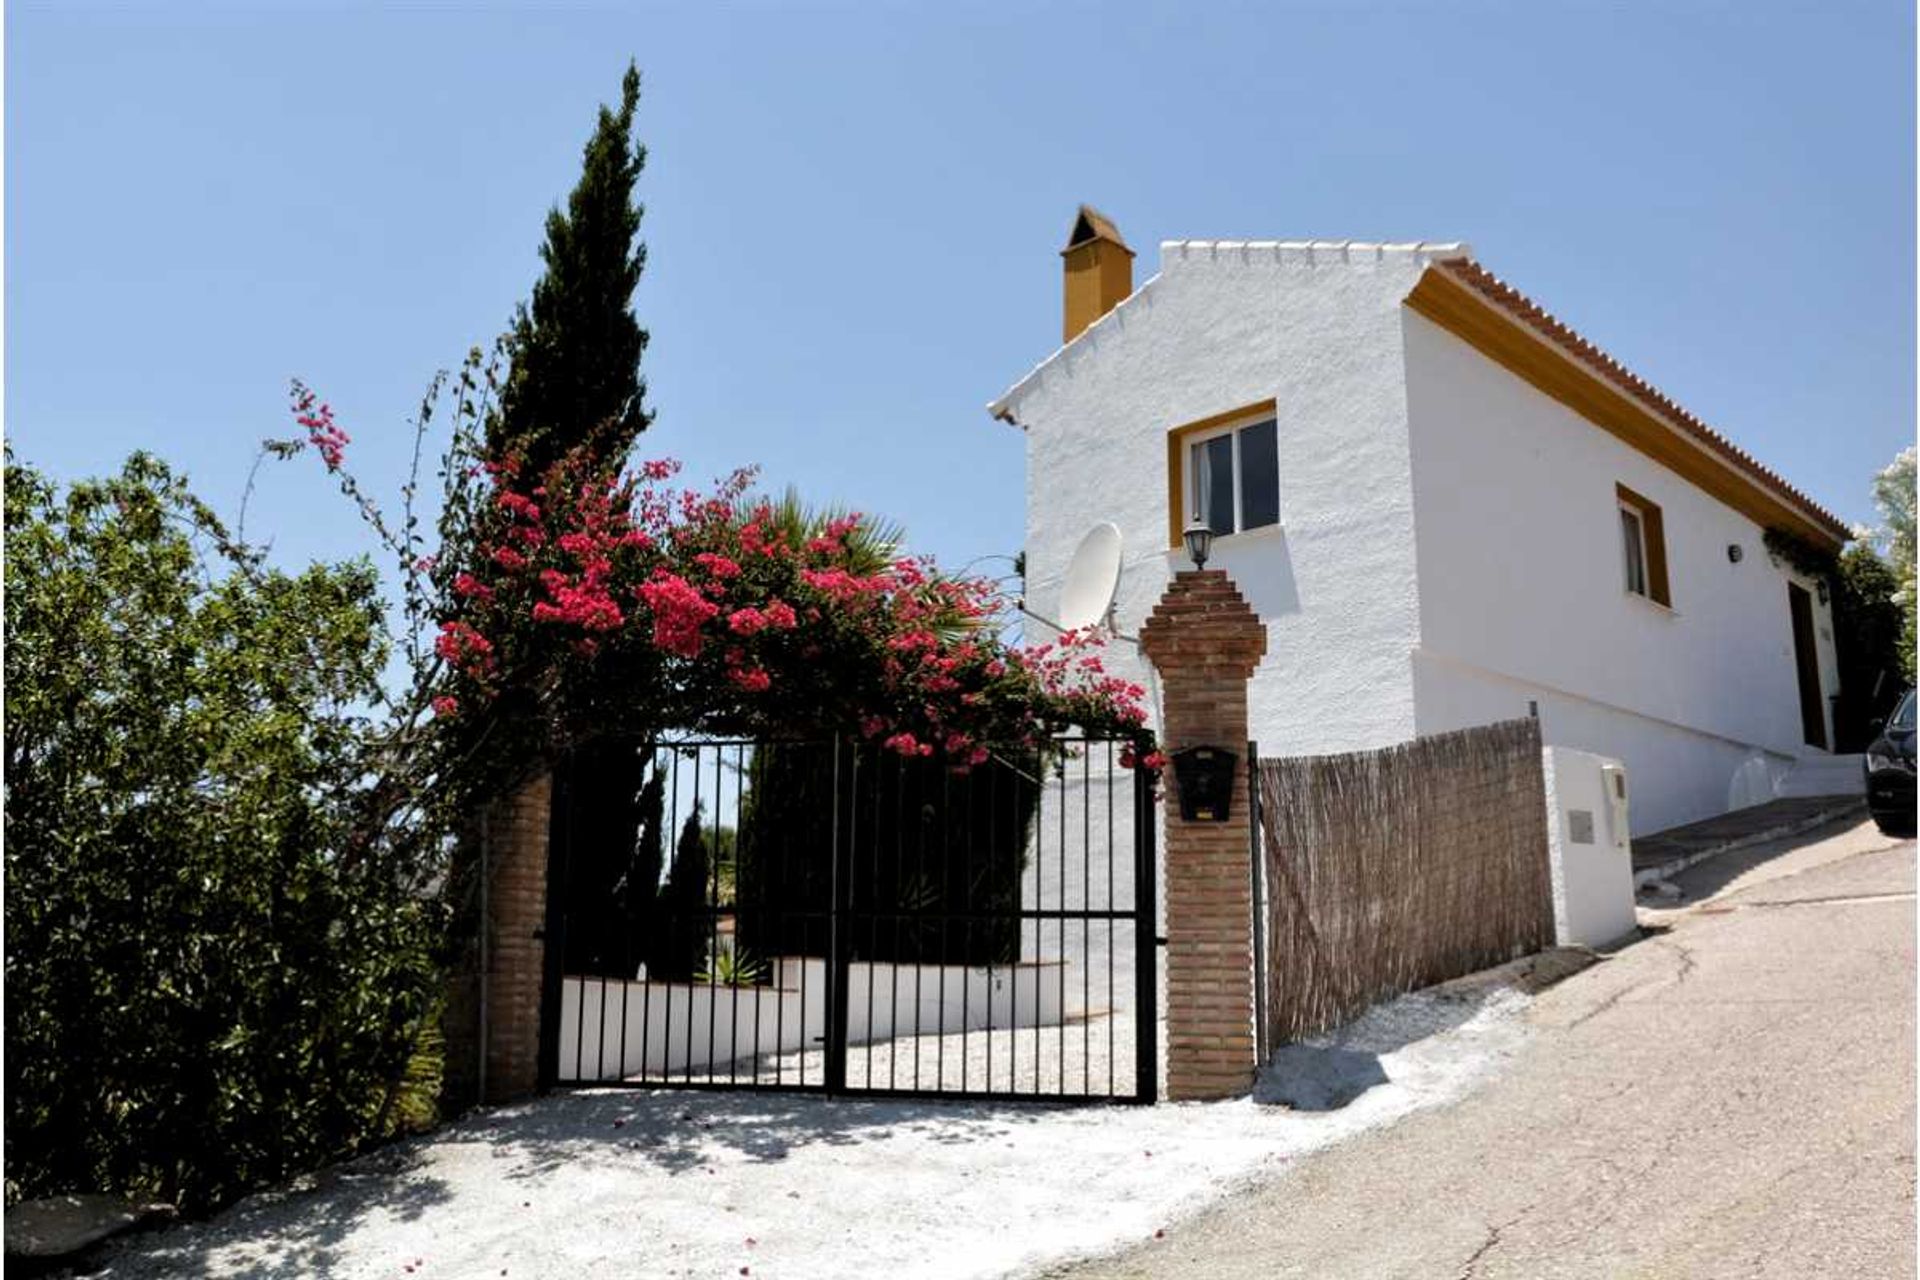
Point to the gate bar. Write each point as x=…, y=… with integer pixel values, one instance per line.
x=1254, y=802
x=553, y=932
x=839, y=942
x=1146, y=949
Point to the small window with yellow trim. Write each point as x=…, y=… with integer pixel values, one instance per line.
x=1233, y=477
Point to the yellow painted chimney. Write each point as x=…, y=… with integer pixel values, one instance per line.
x=1099, y=271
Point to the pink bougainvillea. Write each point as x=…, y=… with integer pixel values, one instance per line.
x=322, y=432
x=679, y=611
x=717, y=608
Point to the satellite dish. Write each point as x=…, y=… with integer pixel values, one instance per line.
x=1086, y=593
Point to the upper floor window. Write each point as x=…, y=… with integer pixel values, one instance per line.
x=1643, y=546
x=1634, y=528
x=1233, y=477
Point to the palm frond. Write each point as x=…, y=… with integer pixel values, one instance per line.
x=871, y=546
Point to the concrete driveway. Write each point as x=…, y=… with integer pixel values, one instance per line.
x=1733, y=1096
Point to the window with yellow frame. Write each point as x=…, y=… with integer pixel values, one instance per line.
x=1224, y=470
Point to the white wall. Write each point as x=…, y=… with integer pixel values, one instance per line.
x=1449, y=545
x=1223, y=326
x=1522, y=594
x=668, y=1028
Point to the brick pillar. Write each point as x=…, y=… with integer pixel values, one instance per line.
x=1205, y=642
x=513, y=844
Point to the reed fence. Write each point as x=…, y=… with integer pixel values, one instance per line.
x=1386, y=871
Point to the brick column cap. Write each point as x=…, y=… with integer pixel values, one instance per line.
x=1203, y=622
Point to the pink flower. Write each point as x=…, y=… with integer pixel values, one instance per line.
x=446, y=705
x=717, y=565
x=322, y=434
x=744, y=622
x=753, y=679
x=460, y=645
x=467, y=585
x=517, y=503
x=679, y=611
x=585, y=604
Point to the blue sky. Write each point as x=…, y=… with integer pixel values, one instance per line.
x=854, y=213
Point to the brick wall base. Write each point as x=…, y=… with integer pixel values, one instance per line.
x=512, y=844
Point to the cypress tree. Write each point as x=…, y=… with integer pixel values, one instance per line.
x=575, y=373
x=683, y=924
x=574, y=380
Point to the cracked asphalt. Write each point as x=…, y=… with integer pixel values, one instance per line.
x=1732, y=1096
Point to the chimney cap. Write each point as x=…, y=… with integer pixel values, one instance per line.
x=1089, y=225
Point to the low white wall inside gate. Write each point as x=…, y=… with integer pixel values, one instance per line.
x=671, y=1028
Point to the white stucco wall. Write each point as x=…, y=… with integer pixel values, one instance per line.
x=1318, y=330
x=1448, y=551
x=1522, y=595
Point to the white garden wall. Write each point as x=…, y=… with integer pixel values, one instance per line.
x=656, y=1029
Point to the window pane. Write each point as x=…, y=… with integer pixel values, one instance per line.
x=1200, y=478
x=1220, y=501
x=1212, y=465
x=1259, y=476
x=1635, y=550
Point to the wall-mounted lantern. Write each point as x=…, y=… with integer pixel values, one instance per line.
x=1735, y=553
x=1199, y=539
x=1205, y=775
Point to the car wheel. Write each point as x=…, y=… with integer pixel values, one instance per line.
x=1892, y=825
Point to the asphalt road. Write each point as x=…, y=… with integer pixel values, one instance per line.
x=1732, y=1096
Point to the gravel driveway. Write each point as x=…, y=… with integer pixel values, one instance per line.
x=660, y=1183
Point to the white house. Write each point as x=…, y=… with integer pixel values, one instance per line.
x=1448, y=507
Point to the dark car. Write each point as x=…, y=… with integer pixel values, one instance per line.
x=1890, y=786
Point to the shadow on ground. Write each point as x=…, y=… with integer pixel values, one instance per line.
x=1326, y=1072
x=329, y=1205
x=1707, y=878
x=681, y=1132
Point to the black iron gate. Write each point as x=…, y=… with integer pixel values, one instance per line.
x=837, y=916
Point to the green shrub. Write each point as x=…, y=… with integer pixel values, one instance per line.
x=209, y=984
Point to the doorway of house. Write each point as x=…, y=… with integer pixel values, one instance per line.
x=1813, y=720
